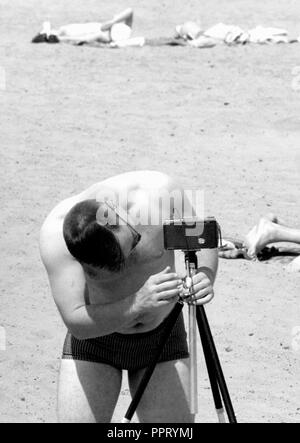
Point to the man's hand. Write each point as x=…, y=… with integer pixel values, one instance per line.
x=202, y=289
x=159, y=290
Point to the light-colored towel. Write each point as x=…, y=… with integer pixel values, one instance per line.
x=268, y=35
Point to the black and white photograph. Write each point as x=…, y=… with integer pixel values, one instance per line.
x=150, y=223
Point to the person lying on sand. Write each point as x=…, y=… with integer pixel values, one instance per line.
x=230, y=34
x=115, y=285
x=268, y=230
x=192, y=33
x=119, y=28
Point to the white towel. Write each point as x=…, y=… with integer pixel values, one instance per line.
x=266, y=35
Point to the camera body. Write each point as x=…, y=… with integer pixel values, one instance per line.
x=191, y=234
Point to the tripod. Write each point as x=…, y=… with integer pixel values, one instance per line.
x=198, y=316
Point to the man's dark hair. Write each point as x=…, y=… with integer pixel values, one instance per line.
x=88, y=242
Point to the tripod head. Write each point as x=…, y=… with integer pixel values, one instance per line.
x=191, y=236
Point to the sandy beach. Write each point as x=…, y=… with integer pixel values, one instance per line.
x=225, y=120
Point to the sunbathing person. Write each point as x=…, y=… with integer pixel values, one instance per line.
x=119, y=28
x=268, y=230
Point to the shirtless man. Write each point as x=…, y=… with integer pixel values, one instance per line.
x=114, y=286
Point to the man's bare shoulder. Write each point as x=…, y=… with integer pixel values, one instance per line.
x=155, y=178
x=53, y=249
x=148, y=179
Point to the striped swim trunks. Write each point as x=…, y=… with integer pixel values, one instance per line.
x=129, y=351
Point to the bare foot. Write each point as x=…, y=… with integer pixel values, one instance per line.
x=259, y=237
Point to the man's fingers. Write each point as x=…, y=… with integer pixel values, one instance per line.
x=166, y=276
x=204, y=300
x=202, y=297
x=167, y=295
x=200, y=286
x=166, y=286
x=203, y=293
x=167, y=269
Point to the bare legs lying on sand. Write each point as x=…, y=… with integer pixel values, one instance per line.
x=267, y=231
x=124, y=17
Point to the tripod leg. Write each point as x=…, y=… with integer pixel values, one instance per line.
x=193, y=360
x=212, y=376
x=149, y=371
x=202, y=319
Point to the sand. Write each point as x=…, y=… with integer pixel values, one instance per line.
x=225, y=120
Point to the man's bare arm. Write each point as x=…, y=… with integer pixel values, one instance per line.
x=68, y=285
x=207, y=258
x=86, y=321
x=208, y=263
